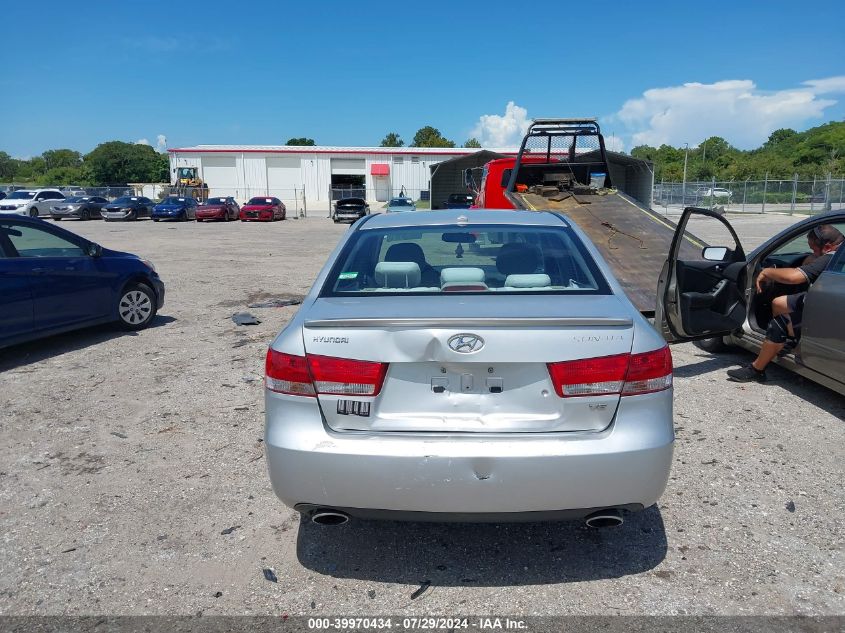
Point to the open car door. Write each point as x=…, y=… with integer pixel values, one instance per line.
x=702, y=297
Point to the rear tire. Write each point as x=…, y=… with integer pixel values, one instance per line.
x=136, y=307
x=714, y=345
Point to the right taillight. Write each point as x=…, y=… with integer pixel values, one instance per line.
x=286, y=373
x=624, y=374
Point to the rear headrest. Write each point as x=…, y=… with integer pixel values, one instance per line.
x=537, y=280
x=518, y=259
x=405, y=252
x=397, y=274
x=462, y=275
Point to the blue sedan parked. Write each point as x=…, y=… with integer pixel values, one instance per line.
x=53, y=281
x=175, y=208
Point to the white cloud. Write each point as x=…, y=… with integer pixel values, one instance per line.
x=161, y=142
x=827, y=86
x=613, y=143
x=734, y=109
x=493, y=130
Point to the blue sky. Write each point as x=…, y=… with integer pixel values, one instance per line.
x=346, y=73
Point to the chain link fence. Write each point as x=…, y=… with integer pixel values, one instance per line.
x=753, y=196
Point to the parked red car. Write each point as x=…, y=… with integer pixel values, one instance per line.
x=222, y=208
x=266, y=209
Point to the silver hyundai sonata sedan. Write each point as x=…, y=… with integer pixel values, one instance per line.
x=472, y=366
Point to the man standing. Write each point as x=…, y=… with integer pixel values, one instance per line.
x=787, y=309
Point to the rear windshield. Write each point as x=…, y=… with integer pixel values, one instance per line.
x=500, y=259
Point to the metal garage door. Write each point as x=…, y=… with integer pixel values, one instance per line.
x=351, y=166
x=284, y=174
x=220, y=174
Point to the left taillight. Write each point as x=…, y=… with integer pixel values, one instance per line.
x=648, y=372
x=312, y=374
x=286, y=373
x=346, y=376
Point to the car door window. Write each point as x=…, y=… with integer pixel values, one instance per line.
x=795, y=250
x=838, y=263
x=29, y=241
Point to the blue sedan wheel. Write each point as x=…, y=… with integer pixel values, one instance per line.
x=137, y=307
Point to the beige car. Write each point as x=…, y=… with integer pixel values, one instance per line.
x=713, y=299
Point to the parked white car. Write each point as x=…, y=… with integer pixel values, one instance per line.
x=716, y=192
x=31, y=202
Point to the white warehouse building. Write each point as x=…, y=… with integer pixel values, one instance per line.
x=313, y=176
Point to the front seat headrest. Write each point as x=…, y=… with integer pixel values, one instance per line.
x=516, y=258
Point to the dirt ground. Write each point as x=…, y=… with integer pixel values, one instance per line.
x=133, y=478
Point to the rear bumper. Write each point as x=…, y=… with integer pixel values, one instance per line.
x=469, y=477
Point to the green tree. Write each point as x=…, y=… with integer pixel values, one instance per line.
x=8, y=167
x=64, y=176
x=301, y=141
x=392, y=139
x=473, y=142
x=117, y=162
x=54, y=158
x=430, y=137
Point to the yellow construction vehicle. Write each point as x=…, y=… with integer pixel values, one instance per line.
x=189, y=183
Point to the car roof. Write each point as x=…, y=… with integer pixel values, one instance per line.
x=459, y=216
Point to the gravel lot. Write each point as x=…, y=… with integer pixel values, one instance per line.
x=134, y=480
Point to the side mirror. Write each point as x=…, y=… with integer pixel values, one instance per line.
x=715, y=253
x=94, y=250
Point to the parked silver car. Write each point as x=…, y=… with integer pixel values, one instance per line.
x=468, y=366
x=713, y=298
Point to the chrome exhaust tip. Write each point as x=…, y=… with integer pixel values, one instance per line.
x=604, y=518
x=329, y=517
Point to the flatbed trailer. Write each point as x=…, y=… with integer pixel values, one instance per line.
x=562, y=167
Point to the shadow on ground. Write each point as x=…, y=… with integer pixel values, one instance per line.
x=483, y=554
x=52, y=346
x=778, y=378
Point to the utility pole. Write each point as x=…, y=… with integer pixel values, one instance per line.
x=684, y=185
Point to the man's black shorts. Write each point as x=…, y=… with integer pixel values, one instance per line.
x=795, y=303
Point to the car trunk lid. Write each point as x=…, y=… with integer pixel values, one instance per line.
x=469, y=372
